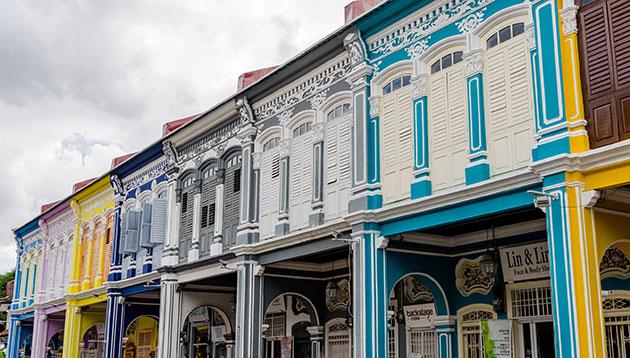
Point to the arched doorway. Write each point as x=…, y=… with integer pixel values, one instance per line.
x=141, y=338
x=25, y=347
x=338, y=334
x=615, y=277
x=411, y=313
x=54, y=348
x=206, y=334
x=285, y=328
x=93, y=342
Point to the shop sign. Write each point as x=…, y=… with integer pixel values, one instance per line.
x=525, y=262
x=497, y=338
x=418, y=316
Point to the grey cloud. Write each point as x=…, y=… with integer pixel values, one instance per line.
x=80, y=144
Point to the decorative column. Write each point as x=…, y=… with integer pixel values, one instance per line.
x=86, y=282
x=71, y=330
x=317, y=201
x=114, y=323
x=193, y=254
x=170, y=312
x=421, y=184
x=478, y=167
x=282, y=228
x=170, y=256
x=366, y=192
x=370, y=297
x=574, y=265
x=317, y=337
x=115, y=269
x=248, y=232
x=219, y=207
x=249, y=310
x=75, y=275
x=13, y=346
x=445, y=329
x=552, y=127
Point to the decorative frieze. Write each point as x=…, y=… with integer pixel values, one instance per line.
x=145, y=175
x=471, y=22
x=341, y=300
x=427, y=20
x=414, y=51
x=416, y=291
x=304, y=90
x=615, y=264
x=469, y=279
x=212, y=140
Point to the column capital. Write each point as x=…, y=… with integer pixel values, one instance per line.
x=474, y=62
x=569, y=19
x=420, y=85
x=375, y=106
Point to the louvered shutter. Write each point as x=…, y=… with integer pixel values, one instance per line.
x=448, y=128
x=269, y=192
x=133, y=231
x=145, y=225
x=109, y=233
x=295, y=182
x=231, y=203
x=158, y=221
x=123, y=233
x=510, y=122
x=338, y=144
x=605, y=52
x=332, y=143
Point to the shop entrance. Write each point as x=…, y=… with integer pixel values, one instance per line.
x=529, y=304
x=206, y=330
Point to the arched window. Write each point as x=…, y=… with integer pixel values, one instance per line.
x=468, y=319
x=617, y=324
x=96, y=252
x=301, y=176
x=396, y=138
x=338, y=338
x=509, y=99
x=269, y=187
x=448, y=121
x=337, y=151
x=231, y=204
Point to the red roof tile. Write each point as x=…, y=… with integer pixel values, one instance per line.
x=78, y=186
x=358, y=8
x=119, y=160
x=49, y=205
x=171, y=126
x=250, y=77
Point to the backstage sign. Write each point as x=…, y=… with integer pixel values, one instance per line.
x=525, y=262
x=418, y=316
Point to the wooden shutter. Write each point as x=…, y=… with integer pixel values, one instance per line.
x=605, y=49
x=509, y=106
x=123, y=233
x=338, y=145
x=269, y=192
x=133, y=232
x=158, y=221
x=145, y=227
x=109, y=236
x=396, y=144
x=231, y=201
x=301, y=162
x=448, y=128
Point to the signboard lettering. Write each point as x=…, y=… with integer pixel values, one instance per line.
x=525, y=262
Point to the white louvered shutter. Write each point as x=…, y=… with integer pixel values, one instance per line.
x=396, y=144
x=338, y=150
x=133, y=232
x=66, y=269
x=145, y=226
x=301, y=162
x=123, y=233
x=158, y=221
x=510, y=122
x=269, y=192
x=50, y=273
x=448, y=128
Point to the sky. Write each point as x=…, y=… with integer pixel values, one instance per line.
x=82, y=82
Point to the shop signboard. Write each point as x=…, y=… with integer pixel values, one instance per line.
x=497, y=338
x=523, y=263
x=418, y=316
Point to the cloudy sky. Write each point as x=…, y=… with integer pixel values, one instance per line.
x=84, y=81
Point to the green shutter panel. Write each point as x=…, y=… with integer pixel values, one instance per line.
x=133, y=232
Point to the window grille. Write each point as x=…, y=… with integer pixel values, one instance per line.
x=617, y=326
x=396, y=84
x=531, y=302
x=302, y=129
x=505, y=34
x=277, y=325
x=338, y=111
x=271, y=143
x=471, y=333
x=338, y=340
x=447, y=61
x=422, y=343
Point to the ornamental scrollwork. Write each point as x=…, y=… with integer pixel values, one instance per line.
x=420, y=86
x=416, y=50
x=318, y=99
x=416, y=291
x=469, y=279
x=342, y=300
x=117, y=185
x=470, y=22
x=615, y=264
x=474, y=62
x=245, y=111
x=355, y=48
x=375, y=106
x=170, y=153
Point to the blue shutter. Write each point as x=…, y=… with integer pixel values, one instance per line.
x=123, y=234
x=158, y=221
x=145, y=226
x=133, y=232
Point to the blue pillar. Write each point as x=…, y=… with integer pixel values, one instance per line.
x=114, y=324
x=17, y=283
x=115, y=268
x=446, y=331
x=478, y=168
x=13, y=345
x=552, y=132
x=370, y=296
x=421, y=185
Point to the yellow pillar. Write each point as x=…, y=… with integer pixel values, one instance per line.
x=75, y=274
x=88, y=266
x=72, y=328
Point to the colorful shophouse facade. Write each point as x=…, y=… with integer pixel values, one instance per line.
x=428, y=166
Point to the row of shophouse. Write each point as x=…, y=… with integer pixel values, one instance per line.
x=427, y=166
